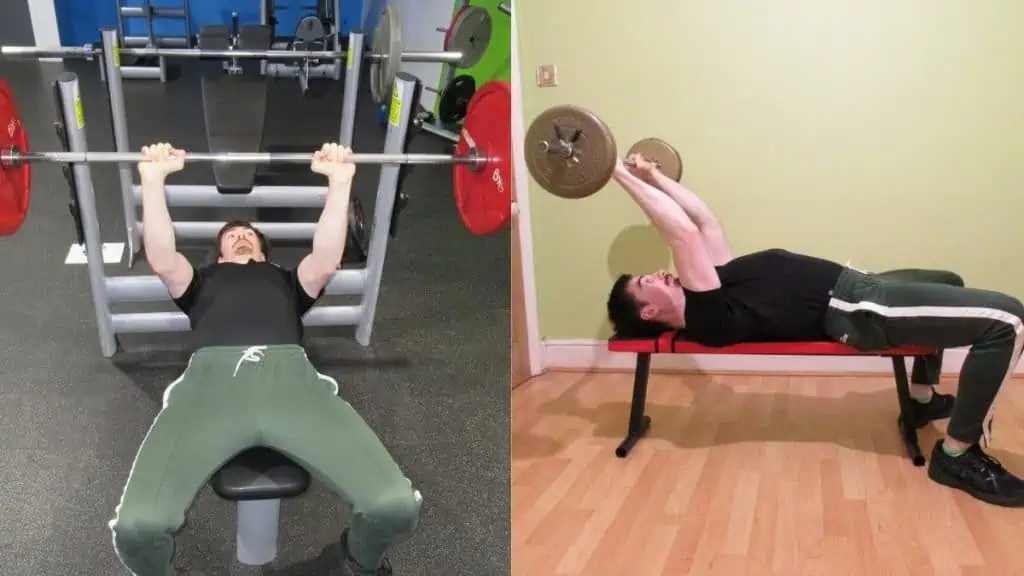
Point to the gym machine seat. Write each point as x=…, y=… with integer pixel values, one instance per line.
x=234, y=107
x=257, y=480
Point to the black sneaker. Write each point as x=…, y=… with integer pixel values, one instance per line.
x=349, y=567
x=977, y=474
x=940, y=406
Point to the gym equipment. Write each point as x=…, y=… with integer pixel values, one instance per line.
x=455, y=99
x=149, y=12
x=12, y=157
x=315, y=32
x=670, y=343
x=662, y=154
x=470, y=31
x=111, y=291
x=385, y=64
x=571, y=152
x=484, y=197
x=387, y=39
x=15, y=183
x=482, y=160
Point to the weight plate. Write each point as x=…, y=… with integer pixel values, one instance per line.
x=387, y=42
x=469, y=33
x=15, y=182
x=483, y=194
x=455, y=99
x=591, y=162
x=662, y=153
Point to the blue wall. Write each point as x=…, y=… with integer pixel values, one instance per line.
x=80, y=20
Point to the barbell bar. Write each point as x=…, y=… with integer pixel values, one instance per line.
x=89, y=52
x=12, y=158
x=481, y=162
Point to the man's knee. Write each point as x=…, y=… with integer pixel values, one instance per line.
x=950, y=278
x=136, y=531
x=395, y=511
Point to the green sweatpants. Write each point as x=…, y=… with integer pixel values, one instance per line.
x=878, y=311
x=230, y=399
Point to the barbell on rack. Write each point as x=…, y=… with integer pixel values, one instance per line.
x=481, y=162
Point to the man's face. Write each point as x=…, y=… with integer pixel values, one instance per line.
x=661, y=297
x=240, y=245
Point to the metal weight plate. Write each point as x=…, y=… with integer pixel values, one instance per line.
x=661, y=153
x=572, y=173
x=15, y=182
x=387, y=41
x=469, y=33
x=455, y=99
x=358, y=234
x=483, y=194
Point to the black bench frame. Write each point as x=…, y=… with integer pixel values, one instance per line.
x=640, y=422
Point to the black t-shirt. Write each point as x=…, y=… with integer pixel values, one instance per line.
x=252, y=304
x=769, y=296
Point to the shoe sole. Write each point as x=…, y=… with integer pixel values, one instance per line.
x=1005, y=502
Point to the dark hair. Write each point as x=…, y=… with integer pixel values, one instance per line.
x=264, y=245
x=624, y=313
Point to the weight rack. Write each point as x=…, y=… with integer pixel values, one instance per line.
x=280, y=69
x=110, y=290
x=208, y=195
x=147, y=11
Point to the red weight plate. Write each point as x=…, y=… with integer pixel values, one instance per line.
x=15, y=183
x=483, y=193
x=451, y=26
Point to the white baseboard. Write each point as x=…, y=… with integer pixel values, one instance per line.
x=594, y=355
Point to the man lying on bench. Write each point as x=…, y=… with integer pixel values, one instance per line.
x=779, y=296
x=250, y=384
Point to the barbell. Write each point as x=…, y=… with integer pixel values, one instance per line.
x=13, y=158
x=572, y=153
x=481, y=162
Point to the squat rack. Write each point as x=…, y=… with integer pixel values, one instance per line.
x=110, y=290
x=191, y=195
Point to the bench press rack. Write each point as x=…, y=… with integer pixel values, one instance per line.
x=110, y=290
x=331, y=69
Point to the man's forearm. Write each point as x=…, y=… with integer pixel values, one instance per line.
x=695, y=208
x=157, y=228
x=332, y=229
x=663, y=212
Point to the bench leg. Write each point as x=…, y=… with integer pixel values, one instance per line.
x=256, y=535
x=908, y=430
x=639, y=422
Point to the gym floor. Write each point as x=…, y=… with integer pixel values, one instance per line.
x=433, y=384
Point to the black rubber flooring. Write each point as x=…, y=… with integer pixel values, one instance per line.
x=434, y=383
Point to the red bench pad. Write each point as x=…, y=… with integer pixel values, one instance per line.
x=669, y=344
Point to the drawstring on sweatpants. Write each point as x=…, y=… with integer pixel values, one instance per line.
x=251, y=354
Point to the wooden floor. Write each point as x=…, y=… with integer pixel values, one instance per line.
x=745, y=476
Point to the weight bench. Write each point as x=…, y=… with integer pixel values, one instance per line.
x=257, y=480
x=235, y=106
x=669, y=343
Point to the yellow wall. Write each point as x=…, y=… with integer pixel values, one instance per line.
x=886, y=133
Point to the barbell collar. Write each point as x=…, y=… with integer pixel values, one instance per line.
x=89, y=52
x=11, y=158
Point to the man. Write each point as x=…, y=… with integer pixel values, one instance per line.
x=250, y=383
x=776, y=295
